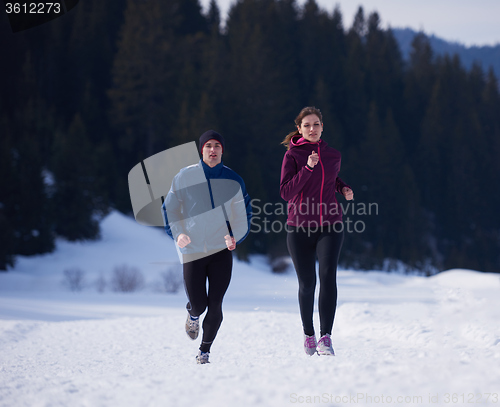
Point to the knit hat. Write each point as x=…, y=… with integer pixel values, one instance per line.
x=210, y=135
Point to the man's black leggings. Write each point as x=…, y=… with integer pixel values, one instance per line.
x=304, y=245
x=217, y=269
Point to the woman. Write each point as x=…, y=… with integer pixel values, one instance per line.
x=309, y=180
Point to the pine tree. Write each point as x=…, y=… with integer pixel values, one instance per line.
x=7, y=179
x=419, y=81
x=406, y=217
x=212, y=74
x=395, y=232
x=260, y=89
x=384, y=67
x=491, y=130
x=191, y=19
x=143, y=109
x=75, y=214
x=359, y=25
x=356, y=102
x=29, y=208
x=145, y=73
x=158, y=41
x=213, y=17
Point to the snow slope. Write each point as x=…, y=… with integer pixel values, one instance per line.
x=400, y=340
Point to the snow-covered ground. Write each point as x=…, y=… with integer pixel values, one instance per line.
x=400, y=340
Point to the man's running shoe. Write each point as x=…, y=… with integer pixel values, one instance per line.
x=310, y=344
x=325, y=346
x=192, y=326
x=202, y=357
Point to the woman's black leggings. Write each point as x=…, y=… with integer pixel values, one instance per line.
x=217, y=269
x=304, y=245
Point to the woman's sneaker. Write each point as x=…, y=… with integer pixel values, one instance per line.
x=202, y=357
x=192, y=326
x=325, y=346
x=310, y=344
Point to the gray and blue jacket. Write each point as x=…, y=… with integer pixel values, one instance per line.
x=207, y=204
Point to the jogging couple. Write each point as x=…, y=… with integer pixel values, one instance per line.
x=207, y=212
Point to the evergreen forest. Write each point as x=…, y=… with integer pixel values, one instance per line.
x=87, y=96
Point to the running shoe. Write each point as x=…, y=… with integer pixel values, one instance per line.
x=192, y=326
x=310, y=344
x=325, y=346
x=202, y=357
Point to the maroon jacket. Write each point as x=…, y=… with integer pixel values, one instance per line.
x=311, y=194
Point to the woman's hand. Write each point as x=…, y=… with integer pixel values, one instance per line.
x=347, y=192
x=230, y=242
x=183, y=240
x=313, y=159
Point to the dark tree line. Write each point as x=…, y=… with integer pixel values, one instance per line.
x=87, y=96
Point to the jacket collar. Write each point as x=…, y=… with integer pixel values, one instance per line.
x=298, y=140
x=212, y=172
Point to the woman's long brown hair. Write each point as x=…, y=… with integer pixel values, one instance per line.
x=306, y=111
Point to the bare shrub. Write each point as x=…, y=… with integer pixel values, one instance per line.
x=126, y=279
x=74, y=278
x=101, y=284
x=172, y=280
x=280, y=265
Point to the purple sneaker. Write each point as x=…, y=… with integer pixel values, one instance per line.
x=310, y=344
x=325, y=346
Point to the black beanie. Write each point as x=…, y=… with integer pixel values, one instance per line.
x=210, y=135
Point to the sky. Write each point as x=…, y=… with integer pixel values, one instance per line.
x=469, y=22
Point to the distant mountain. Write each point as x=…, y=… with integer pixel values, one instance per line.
x=486, y=55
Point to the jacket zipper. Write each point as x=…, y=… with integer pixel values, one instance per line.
x=322, y=185
x=300, y=205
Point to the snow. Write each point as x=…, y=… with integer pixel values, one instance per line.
x=400, y=340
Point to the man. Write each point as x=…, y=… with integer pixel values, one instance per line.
x=207, y=212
